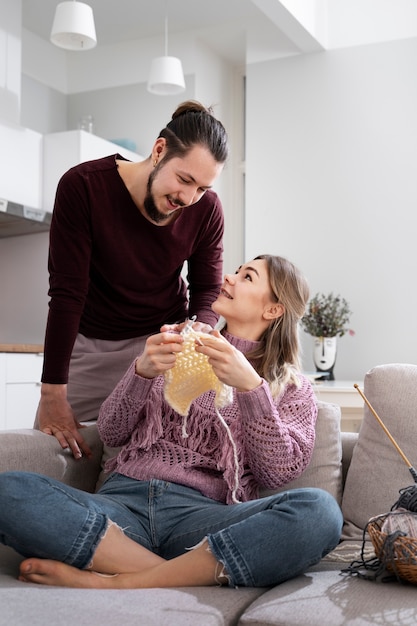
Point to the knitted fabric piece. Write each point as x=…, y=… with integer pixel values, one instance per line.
x=191, y=376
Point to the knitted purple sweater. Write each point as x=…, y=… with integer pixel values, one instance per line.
x=274, y=439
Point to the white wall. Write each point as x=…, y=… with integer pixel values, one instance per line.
x=43, y=108
x=359, y=22
x=128, y=111
x=331, y=183
x=24, y=288
x=220, y=86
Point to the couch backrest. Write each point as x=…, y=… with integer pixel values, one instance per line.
x=32, y=450
x=377, y=471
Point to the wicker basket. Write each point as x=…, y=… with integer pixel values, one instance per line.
x=399, y=555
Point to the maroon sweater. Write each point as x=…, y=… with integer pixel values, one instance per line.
x=113, y=274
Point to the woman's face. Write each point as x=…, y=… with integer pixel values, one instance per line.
x=246, y=295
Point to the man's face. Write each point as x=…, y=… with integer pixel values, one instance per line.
x=178, y=183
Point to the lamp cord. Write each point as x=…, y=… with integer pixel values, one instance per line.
x=166, y=28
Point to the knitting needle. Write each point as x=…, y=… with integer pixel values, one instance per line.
x=189, y=325
x=188, y=328
x=385, y=429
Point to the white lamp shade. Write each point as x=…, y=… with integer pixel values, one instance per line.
x=73, y=27
x=166, y=77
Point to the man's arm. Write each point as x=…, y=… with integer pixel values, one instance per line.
x=68, y=264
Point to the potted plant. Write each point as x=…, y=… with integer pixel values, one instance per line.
x=326, y=318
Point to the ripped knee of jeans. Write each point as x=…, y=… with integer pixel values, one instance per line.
x=109, y=524
x=220, y=573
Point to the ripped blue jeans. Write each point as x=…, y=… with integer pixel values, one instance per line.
x=260, y=543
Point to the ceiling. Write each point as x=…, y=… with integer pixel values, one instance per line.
x=224, y=25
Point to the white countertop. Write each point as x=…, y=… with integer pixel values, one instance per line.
x=337, y=385
x=340, y=392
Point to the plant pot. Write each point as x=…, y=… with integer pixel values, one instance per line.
x=324, y=355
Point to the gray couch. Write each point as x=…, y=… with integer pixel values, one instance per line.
x=364, y=472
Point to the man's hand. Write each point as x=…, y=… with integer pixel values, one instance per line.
x=55, y=417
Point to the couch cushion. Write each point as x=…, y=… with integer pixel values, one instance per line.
x=377, y=471
x=198, y=606
x=325, y=468
x=32, y=451
x=322, y=597
x=37, y=605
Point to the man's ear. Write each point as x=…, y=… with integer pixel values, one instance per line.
x=273, y=311
x=159, y=148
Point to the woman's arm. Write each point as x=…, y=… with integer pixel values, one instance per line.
x=139, y=393
x=123, y=409
x=278, y=436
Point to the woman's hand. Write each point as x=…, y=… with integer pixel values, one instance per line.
x=228, y=363
x=160, y=354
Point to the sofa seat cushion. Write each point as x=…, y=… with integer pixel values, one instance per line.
x=377, y=471
x=37, y=605
x=325, y=468
x=324, y=597
x=203, y=606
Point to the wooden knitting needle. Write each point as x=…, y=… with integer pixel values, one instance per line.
x=385, y=429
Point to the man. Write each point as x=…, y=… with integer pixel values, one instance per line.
x=120, y=234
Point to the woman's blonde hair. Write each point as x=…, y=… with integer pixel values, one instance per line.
x=277, y=359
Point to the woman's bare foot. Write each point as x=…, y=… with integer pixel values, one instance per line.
x=48, y=572
x=195, y=568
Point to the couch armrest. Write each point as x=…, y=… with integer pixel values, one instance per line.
x=33, y=451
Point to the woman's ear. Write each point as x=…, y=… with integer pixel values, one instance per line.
x=273, y=311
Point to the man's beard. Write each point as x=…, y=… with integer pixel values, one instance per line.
x=150, y=207
x=152, y=211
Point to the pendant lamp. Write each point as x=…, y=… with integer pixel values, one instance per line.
x=166, y=77
x=73, y=27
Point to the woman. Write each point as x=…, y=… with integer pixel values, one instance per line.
x=166, y=515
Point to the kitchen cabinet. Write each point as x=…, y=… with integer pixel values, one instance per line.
x=26, y=208
x=20, y=375
x=61, y=151
x=21, y=164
